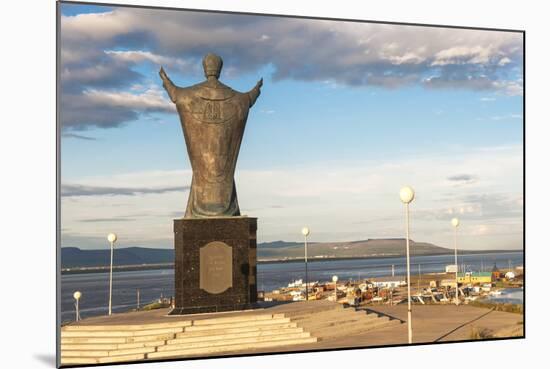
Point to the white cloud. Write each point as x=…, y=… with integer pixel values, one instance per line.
x=151, y=99
x=101, y=52
x=407, y=58
x=504, y=61
x=141, y=56
x=506, y=117
x=476, y=54
x=511, y=88
x=95, y=26
x=350, y=49
x=107, y=108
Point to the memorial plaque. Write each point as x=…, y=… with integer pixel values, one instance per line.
x=216, y=267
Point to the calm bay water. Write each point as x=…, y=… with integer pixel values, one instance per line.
x=154, y=283
x=508, y=296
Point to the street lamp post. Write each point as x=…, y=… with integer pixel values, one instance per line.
x=335, y=279
x=455, y=222
x=305, y=232
x=77, y=295
x=407, y=196
x=419, y=276
x=112, y=239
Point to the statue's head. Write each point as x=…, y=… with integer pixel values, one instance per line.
x=212, y=65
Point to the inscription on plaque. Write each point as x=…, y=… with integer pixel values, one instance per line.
x=216, y=267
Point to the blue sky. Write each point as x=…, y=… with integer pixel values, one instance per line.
x=349, y=113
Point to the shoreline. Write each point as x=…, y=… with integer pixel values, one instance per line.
x=167, y=266
x=418, y=283
x=388, y=256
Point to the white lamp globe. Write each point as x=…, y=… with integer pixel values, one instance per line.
x=77, y=295
x=111, y=237
x=406, y=194
x=455, y=222
x=335, y=278
x=305, y=231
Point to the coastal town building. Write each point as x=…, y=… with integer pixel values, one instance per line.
x=496, y=273
x=448, y=283
x=451, y=268
x=389, y=282
x=475, y=278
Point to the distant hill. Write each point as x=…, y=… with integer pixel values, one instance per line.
x=364, y=248
x=73, y=257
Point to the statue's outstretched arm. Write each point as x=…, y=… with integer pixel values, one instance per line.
x=168, y=85
x=255, y=92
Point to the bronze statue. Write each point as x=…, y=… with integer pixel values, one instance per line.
x=213, y=117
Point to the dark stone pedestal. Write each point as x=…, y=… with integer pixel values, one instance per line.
x=215, y=264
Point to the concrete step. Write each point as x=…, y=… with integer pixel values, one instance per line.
x=330, y=312
x=339, y=328
x=302, y=315
x=101, y=360
x=233, y=341
x=120, y=333
x=108, y=346
x=238, y=318
x=215, y=337
x=229, y=348
x=264, y=322
x=102, y=353
x=127, y=327
x=149, y=338
x=86, y=340
x=203, y=333
x=96, y=344
x=308, y=307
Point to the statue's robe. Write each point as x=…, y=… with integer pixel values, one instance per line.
x=213, y=118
